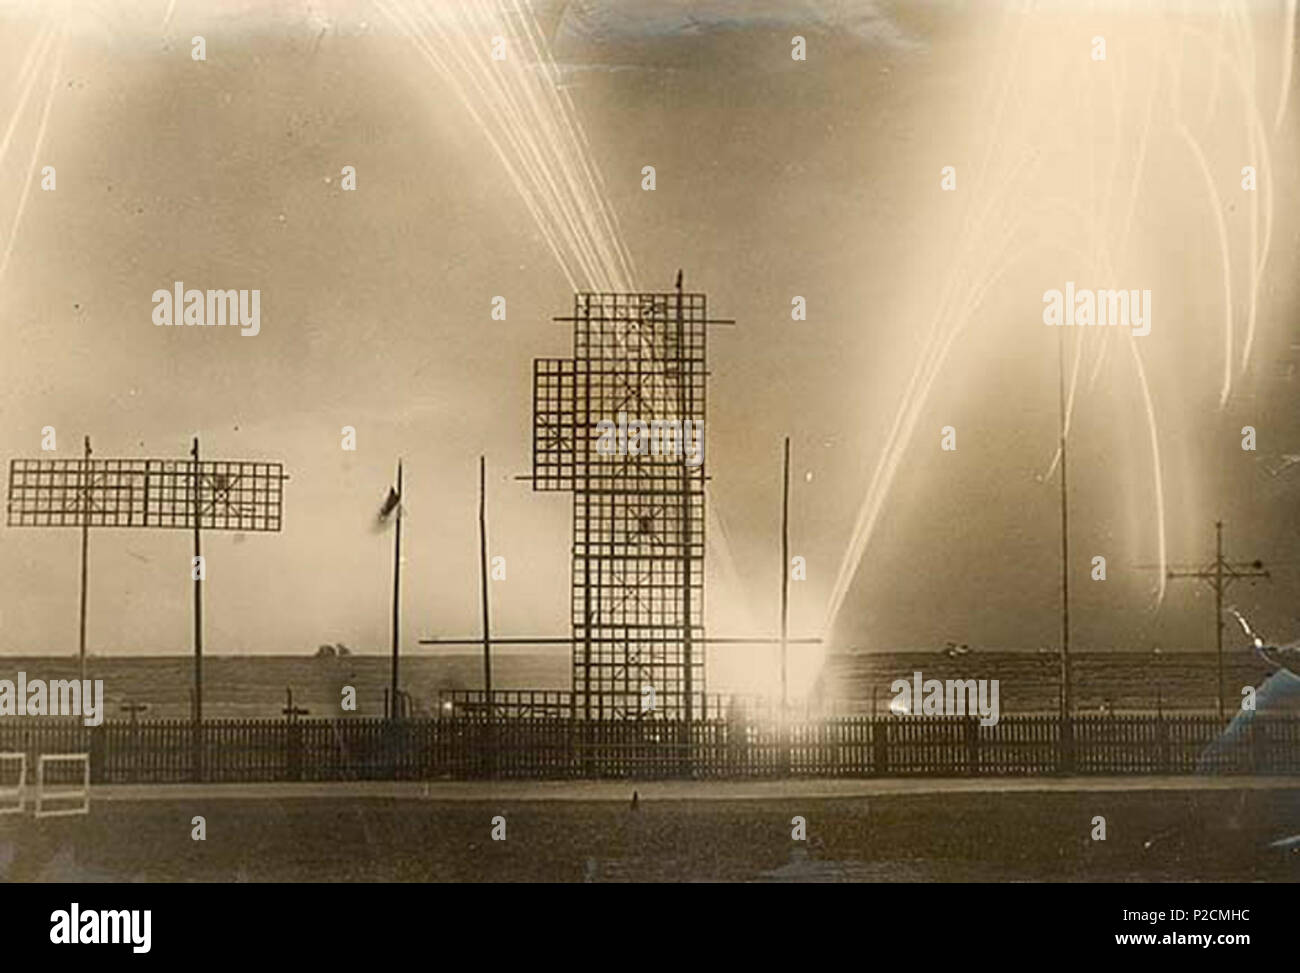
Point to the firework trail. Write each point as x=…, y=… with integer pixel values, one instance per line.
x=975, y=261
x=532, y=127
x=1288, y=57
x=38, y=141
x=1224, y=251
x=26, y=83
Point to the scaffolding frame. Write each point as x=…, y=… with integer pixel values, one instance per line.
x=637, y=594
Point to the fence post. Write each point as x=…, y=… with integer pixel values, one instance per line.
x=1065, y=759
x=783, y=766
x=572, y=753
x=880, y=747
x=98, y=753
x=293, y=741
x=680, y=764
x=1162, y=739
x=133, y=747
x=585, y=748
x=972, y=747
x=196, y=751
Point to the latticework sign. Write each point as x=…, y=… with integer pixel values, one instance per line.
x=232, y=495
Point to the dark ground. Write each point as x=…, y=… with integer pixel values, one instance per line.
x=945, y=837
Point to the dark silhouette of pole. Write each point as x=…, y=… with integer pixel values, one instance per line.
x=1065, y=539
x=483, y=581
x=196, y=737
x=85, y=548
x=198, y=593
x=171, y=495
x=1219, y=575
x=684, y=407
x=1160, y=675
x=785, y=573
x=290, y=711
x=1218, y=607
x=393, y=699
x=589, y=611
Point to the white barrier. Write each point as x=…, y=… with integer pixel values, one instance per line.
x=45, y=796
x=17, y=793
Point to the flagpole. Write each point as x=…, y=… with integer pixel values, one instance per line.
x=397, y=589
x=483, y=582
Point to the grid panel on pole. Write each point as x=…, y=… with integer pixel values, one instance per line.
x=638, y=509
x=234, y=495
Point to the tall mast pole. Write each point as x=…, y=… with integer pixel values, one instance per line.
x=785, y=573
x=685, y=406
x=483, y=581
x=85, y=547
x=393, y=702
x=1065, y=538
x=1218, y=606
x=198, y=592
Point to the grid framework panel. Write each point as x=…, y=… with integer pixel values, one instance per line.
x=233, y=495
x=638, y=510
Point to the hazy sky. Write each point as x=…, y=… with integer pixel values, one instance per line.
x=775, y=178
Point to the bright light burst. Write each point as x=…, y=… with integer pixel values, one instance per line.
x=1016, y=121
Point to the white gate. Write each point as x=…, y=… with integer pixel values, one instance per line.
x=46, y=794
x=12, y=798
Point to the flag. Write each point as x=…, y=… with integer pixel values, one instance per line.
x=390, y=503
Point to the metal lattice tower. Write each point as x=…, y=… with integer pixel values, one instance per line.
x=637, y=603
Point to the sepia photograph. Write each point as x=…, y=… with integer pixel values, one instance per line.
x=630, y=448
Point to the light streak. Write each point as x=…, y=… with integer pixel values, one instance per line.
x=1225, y=260
x=31, y=168
x=953, y=316
x=1288, y=57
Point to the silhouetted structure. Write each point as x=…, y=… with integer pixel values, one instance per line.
x=637, y=603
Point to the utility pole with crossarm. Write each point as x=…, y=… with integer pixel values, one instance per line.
x=195, y=495
x=1219, y=575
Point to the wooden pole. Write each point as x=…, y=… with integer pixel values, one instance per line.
x=393, y=699
x=483, y=581
x=85, y=547
x=1065, y=541
x=1222, y=574
x=684, y=407
x=198, y=592
x=785, y=574
x=196, y=737
x=1218, y=607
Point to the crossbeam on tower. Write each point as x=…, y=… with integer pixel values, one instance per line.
x=1218, y=574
